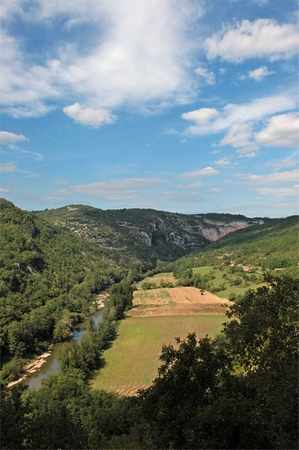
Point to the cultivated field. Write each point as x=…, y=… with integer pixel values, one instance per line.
x=158, y=316
x=176, y=301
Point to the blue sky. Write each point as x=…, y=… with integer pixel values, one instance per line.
x=187, y=106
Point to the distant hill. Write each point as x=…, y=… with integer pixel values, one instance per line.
x=272, y=245
x=145, y=233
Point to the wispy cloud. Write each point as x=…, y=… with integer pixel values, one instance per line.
x=125, y=189
x=137, y=54
x=208, y=76
x=11, y=138
x=207, y=171
x=211, y=120
x=223, y=162
x=260, y=73
x=274, y=178
x=282, y=164
x=279, y=191
x=240, y=136
x=8, y=167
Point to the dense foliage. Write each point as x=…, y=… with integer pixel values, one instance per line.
x=269, y=247
x=238, y=391
x=48, y=282
x=85, y=354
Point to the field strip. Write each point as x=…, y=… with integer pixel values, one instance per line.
x=132, y=361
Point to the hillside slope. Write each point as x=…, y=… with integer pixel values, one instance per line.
x=145, y=233
x=48, y=280
x=272, y=245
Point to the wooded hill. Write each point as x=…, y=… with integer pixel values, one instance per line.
x=53, y=263
x=270, y=246
x=145, y=233
x=48, y=280
x=239, y=390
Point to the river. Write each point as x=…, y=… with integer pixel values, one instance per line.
x=51, y=367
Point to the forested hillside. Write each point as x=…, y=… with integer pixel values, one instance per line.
x=236, y=391
x=49, y=278
x=145, y=233
x=272, y=246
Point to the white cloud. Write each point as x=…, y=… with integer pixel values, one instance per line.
x=279, y=192
x=260, y=73
x=89, y=116
x=283, y=164
x=4, y=191
x=201, y=116
x=239, y=136
x=138, y=54
x=274, y=178
x=11, y=138
x=125, y=189
x=191, y=186
x=261, y=38
x=208, y=76
x=210, y=120
x=7, y=167
x=281, y=131
x=207, y=171
x=223, y=162
x=215, y=190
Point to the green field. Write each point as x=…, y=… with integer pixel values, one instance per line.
x=133, y=360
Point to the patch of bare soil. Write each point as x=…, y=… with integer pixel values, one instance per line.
x=177, y=301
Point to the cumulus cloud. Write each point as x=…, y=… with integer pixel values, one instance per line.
x=125, y=189
x=281, y=131
x=200, y=116
x=261, y=38
x=210, y=120
x=239, y=136
x=260, y=73
x=136, y=52
x=11, y=138
x=206, y=74
x=89, y=116
x=7, y=167
x=207, y=171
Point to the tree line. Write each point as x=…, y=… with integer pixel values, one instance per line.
x=237, y=391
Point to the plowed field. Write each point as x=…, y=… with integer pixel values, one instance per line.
x=173, y=301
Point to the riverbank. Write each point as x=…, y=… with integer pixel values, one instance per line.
x=33, y=367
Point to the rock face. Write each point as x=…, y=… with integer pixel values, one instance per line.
x=146, y=233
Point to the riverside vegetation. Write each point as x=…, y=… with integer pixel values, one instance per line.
x=238, y=390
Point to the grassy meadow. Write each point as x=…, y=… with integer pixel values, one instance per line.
x=133, y=360
x=157, y=318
